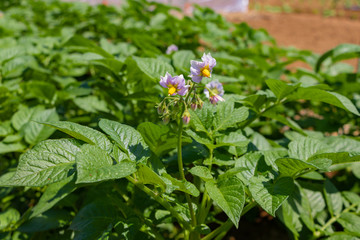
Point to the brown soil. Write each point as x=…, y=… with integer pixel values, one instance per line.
x=304, y=31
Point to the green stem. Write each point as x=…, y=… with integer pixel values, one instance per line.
x=160, y=200
x=334, y=219
x=225, y=227
x=181, y=170
x=205, y=204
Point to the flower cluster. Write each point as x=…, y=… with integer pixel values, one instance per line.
x=173, y=105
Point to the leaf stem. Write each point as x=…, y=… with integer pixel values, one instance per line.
x=160, y=200
x=333, y=219
x=181, y=168
x=205, y=205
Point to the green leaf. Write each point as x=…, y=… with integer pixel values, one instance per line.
x=351, y=223
x=94, y=165
x=8, y=218
x=11, y=147
x=41, y=90
x=53, y=194
x=352, y=197
x=249, y=161
x=202, y=119
x=93, y=219
x=236, y=139
x=181, y=60
x=91, y=104
x=35, y=132
x=83, y=133
x=340, y=52
x=333, y=98
x=183, y=185
x=153, y=68
x=291, y=167
x=159, y=138
x=200, y=138
x=280, y=88
x=270, y=195
x=299, y=202
x=229, y=195
x=333, y=198
x=147, y=176
x=304, y=147
x=342, y=236
x=48, y=162
x=289, y=218
x=337, y=158
x=128, y=139
x=227, y=116
x=82, y=44
x=202, y=172
x=49, y=220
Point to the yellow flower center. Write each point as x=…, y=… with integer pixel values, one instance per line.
x=205, y=72
x=172, y=90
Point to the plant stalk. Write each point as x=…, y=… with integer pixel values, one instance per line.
x=181, y=170
x=160, y=200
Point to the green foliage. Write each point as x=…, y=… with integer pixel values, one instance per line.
x=68, y=69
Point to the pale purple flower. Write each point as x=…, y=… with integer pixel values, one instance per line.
x=171, y=48
x=214, y=91
x=202, y=69
x=176, y=84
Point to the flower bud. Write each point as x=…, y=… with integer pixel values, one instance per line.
x=186, y=117
x=200, y=103
x=166, y=119
x=194, y=106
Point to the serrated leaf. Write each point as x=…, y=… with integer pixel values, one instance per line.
x=229, y=195
x=83, y=133
x=128, y=139
x=271, y=195
x=291, y=167
x=154, y=68
x=48, y=162
x=94, y=165
x=202, y=172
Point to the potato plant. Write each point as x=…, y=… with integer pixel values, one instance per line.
x=111, y=127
